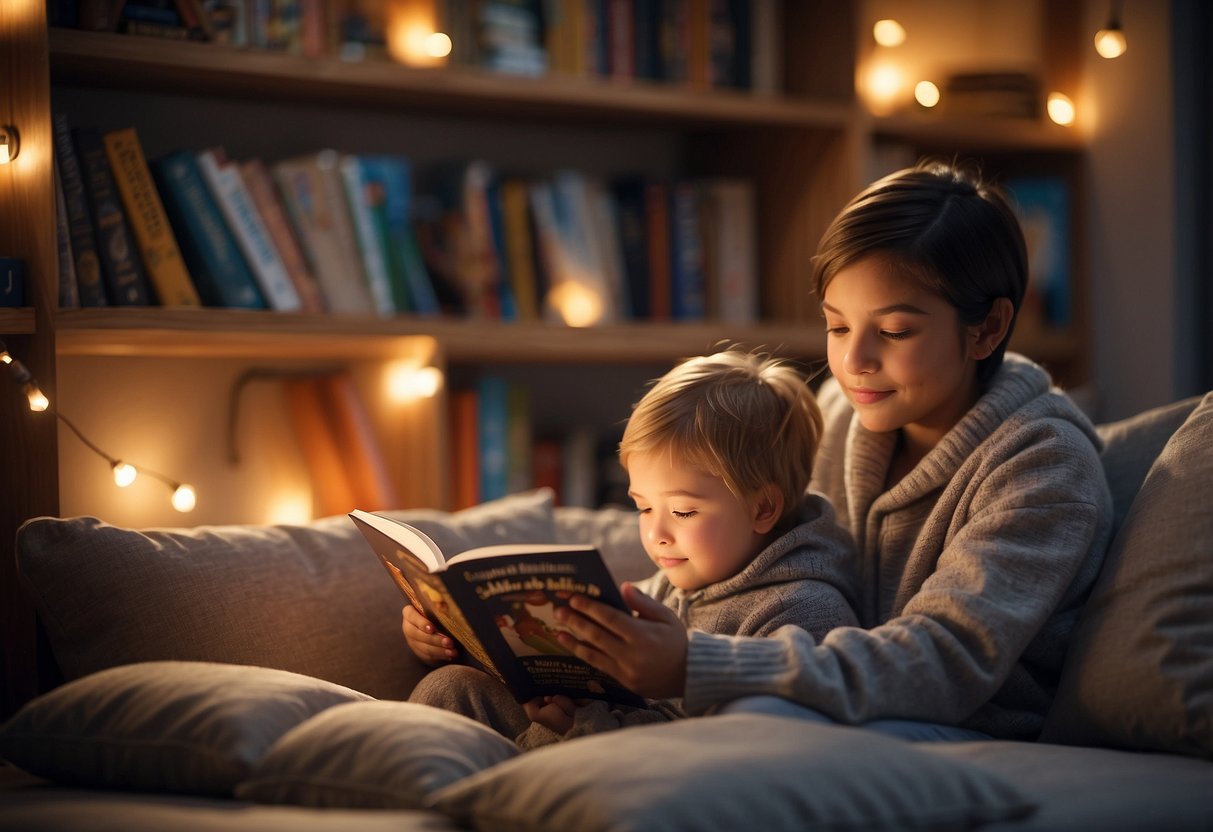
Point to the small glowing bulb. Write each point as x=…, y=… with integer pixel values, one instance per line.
x=438, y=45
x=926, y=93
x=578, y=305
x=889, y=32
x=124, y=474
x=38, y=401
x=184, y=498
x=1110, y=43
x=1061, y=108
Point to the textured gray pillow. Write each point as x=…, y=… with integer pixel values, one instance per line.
x=187, y=727
x=1139, y=673
x=1131, y=446
x=731, y=772
x=616, y=533
x=373, y=755
x=311, y=599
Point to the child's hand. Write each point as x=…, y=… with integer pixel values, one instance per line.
x=552, y=712
x=646, y=652
x=427, y=644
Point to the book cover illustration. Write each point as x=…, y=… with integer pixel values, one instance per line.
x=498, y=603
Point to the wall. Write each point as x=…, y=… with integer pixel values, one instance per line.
x=1128, y=110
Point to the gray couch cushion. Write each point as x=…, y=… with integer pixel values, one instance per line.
x=1139, y=673
x=731, y=772
x=311, y=599
x=185, y=727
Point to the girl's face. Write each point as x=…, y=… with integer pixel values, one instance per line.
x=899, y=351
x=693, y=528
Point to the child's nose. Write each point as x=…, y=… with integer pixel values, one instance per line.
x=860, y=356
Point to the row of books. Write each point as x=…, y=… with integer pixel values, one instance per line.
x=347, y=233
x=699, y=43
x=496, y=451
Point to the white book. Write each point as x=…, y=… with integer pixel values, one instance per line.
x=227, y=186
x=734, y=250
x=370, y=238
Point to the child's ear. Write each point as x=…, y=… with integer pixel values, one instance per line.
x=768, y=508
x=985, y=337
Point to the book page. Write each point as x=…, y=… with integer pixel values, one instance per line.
x=411, y=540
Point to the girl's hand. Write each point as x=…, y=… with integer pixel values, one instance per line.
x=552, y=712
x=645, y=651
x=428, y=645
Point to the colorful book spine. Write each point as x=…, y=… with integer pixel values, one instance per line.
x=520, y=248
x=688, y=300
x=220, y=273
x=465, y=449
x=261, y=188
x=657, y=214
x=371, y=243
x=240, y=211
x=361, y=454
x=87, y=261
x=629, y=199
x=492, y=428
x=332, y=492
x=125, y=281
x=735, y=256
x=153, y=233
x=314, y=195
x=394, y=175
x=69, y=289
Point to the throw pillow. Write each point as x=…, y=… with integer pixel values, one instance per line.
x=186, y=727
x=1139, y=672
x=373, y=755
x=731, y=772
x=313, y=599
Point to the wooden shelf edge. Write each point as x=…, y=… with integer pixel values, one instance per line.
x=17, y=321
x=99, y=58
x=236, y=333
x=979, y=133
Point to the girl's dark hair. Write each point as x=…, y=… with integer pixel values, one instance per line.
x=942, y=225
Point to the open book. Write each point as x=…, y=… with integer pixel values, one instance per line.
x=497, y=601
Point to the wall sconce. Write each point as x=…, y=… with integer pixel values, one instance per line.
x=10, y=143
x=1110, y=41
x=184, y=497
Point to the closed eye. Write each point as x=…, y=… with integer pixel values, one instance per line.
x=898, y=335
x=682, y=515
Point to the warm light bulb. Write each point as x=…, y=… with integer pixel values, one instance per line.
x=408, y=383
x=184, y=498
x=124, y=474
x=1061, y=108
x=438, y=45
x=884, y=87
x=577, y=304
x=1110, y=43
x=10, y=143
x=38, y=401
x=889, y=33
x=926, y=94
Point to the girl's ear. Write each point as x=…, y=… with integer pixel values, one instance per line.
x=768, y=508
x=985, y=337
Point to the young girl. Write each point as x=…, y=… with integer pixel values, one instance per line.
x=718, y=454
x=973, y=490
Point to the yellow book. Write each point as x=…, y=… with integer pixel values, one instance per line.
x=149, y=223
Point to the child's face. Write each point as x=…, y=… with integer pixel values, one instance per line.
x=692, y=526
x=899, y=351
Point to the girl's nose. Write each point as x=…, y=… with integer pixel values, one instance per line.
x=657, y=533
x=860, y=357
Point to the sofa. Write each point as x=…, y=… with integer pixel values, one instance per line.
x=252, y=677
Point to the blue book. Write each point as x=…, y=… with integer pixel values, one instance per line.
x=688, y=298
x=393, y=174
x=492, y=423
x=1043, y=206
x=220, y=272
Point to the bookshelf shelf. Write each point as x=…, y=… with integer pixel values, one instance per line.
x=17, y=321
x=99, y=59
x=992, y=134
x=236, y=333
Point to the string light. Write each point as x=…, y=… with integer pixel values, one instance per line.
x=1110, y=41
x=184, y=498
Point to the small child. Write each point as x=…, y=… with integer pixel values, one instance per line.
x=719, y=455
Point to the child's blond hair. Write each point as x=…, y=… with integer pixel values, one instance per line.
x=745, y=417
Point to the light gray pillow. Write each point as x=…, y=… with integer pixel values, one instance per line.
x=1139, y=672
x=312, y=599
x=731, y=772
x=186, y=727
x=373, y=755
x=616, y=533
